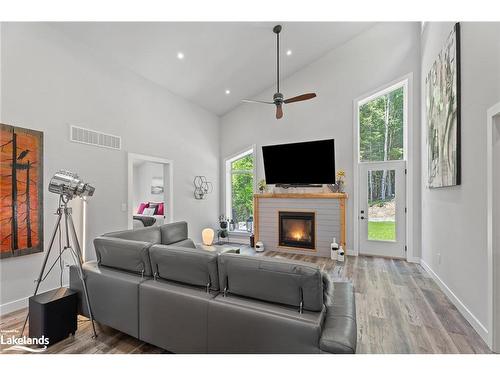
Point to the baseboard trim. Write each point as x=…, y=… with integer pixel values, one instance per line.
x=351, y=253
x=413, y=260
x=462, y=308
x=12, y=306
x=21, y=303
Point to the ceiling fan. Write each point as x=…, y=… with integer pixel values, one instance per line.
x=278, y=99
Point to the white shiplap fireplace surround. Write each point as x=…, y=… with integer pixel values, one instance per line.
x=329, y=214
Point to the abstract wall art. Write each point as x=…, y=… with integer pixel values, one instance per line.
x=21, y=191
x=443, y=115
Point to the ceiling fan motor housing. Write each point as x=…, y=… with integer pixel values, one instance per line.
x=278, y=98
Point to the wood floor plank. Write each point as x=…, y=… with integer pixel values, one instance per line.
x=399, y=309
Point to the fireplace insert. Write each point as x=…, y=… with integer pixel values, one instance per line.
x=297, y=229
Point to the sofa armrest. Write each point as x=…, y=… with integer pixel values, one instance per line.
x=127, y=255
x=339, y=335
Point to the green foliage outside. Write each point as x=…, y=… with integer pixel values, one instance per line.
x=381, y=127
x=242, y=188
x=382, y=230
x=381, y=122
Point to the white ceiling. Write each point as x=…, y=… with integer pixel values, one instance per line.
x=239, y=56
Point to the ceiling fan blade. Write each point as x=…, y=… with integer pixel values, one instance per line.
x=279, y=111
x=256, y=101
x=300, y=98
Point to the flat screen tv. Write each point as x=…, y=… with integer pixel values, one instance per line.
x=305, y=163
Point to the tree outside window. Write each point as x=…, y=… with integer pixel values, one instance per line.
x=241, y=175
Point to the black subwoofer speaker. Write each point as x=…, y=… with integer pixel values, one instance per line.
x=53, y=314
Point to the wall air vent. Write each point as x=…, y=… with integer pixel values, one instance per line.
x=95, y=138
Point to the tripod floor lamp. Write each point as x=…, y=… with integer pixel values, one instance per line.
x=68, y=185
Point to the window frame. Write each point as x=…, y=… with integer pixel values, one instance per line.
x=250, y=150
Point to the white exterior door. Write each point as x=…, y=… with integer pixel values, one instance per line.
x=382, y=211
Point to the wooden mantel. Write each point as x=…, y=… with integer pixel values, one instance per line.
x=340, y=196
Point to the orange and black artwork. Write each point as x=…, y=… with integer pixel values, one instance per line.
x=21, y=191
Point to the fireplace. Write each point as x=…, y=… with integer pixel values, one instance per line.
x=297, y=229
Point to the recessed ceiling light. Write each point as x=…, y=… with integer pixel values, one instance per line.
x=227, y=92
x=180, y=55
x=289, y=52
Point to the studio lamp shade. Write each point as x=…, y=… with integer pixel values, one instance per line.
x=207, y=236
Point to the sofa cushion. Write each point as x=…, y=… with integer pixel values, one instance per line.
x=173, y=232
x=126, y=255
x=173, y=316
x=148, y=234
x=185, y=265
x=242, y=325
x=279, y=281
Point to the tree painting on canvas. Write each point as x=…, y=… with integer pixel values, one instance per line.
x=21, y=191
x=443, y=115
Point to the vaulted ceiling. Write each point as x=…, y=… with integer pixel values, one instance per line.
x=217, y=56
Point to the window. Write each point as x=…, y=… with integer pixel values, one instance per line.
x=240, y=178
x=381, y=127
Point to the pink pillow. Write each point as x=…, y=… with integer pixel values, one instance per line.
x=141, y=208
x=160, y=209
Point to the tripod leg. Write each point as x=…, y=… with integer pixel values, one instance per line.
x=44, y=264
x=79, y=260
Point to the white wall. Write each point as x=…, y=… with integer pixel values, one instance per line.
x=143, y=174
x=48, y=82
x=380, y=55
x=454, y=219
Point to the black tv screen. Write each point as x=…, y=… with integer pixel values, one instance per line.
x=302, y=163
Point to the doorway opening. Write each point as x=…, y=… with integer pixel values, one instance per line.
x=150, y=191
x=381, y=170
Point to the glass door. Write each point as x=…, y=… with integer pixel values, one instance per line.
x=382, y=217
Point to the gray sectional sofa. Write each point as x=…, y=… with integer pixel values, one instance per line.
x=154, y=284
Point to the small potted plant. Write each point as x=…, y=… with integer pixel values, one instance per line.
x=262, y=185
x=340, y=180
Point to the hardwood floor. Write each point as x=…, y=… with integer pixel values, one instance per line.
x=399, y=310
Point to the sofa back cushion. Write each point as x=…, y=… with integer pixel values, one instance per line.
x=272, y=280
x=185, y=265
x=148, y=234
x=173, y=232
x=122, y=254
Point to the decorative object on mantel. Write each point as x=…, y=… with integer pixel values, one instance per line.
x=21, y=177
x=442, y=88
x=340, y=180
x=202, y=187
x=338, y=187
x=207, y=236
x=262, y=185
